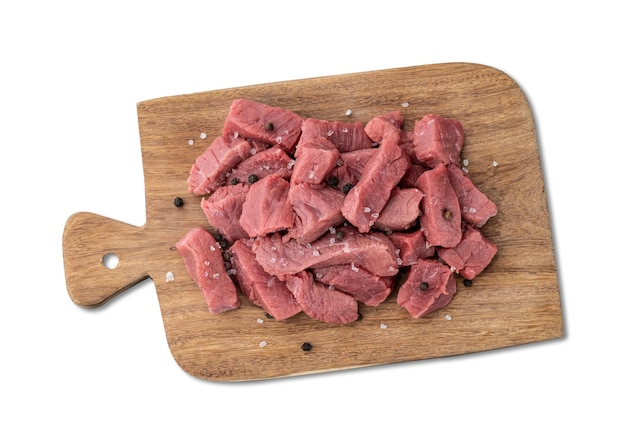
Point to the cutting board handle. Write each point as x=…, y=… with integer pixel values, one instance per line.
x=102, y=257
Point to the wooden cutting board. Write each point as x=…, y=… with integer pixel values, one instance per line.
x=514, y=301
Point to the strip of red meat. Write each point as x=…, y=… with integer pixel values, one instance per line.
x=223, y=210
x=262, y=164
x=210, y=169
x=321, y=303
x=441, y=218
x=262, y=289
x=365, y=287
x=372, y=251
x=476, y=208
x=386, y=126
x=368, y=197
x=401, y=211
x=437, y=140
x=430, y=285
x=267, y=208
x=315, y=159
x=316, y=211
x=202, y=256
x=472, y=255
x=345, y=136
x=269, y=124
x=412, y=246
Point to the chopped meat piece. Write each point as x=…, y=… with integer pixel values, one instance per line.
x=270, y=161
x=441, y=218
x=321, y=303
x=202, y=256
x=223, y=210
x=476, y=208
x=368, y=197
x=472, y=255
x=372, y=251
x=429, y=286
x=345, y=136
x=315, y=159
x=401, y=211
x=261, y=288
x=409, y=180
x=386, y=126
x=210, y=169
x=316, y=210
x=268, y=124
x=412, y=246
x=437, y=140
x=355, y=161
x=367, y=288
x=267, y=208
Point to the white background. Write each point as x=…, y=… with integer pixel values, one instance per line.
x=71, y=76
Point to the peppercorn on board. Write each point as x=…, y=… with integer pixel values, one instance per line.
x=514, y=301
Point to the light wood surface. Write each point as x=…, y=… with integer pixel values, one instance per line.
x=515, y=301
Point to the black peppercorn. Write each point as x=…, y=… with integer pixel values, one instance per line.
x=347, y=187
x=178, y=202
x=424, y=286
x=252, y=178
x=333, y=181
x=447, y=215
x=269, y=126
x=339, y=235
x=467, y=282
x=306, y=347
x=234, y=181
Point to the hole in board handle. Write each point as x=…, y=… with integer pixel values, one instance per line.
x=110, y=261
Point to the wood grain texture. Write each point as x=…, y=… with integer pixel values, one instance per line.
x=515, y=301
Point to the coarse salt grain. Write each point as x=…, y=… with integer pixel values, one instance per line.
x=169, y=276
x=331, y=241
x=367, y=209
x=330, y=133
x=259, y=320
x=331, y=287
x=231, y=272
x=495, y=164
x=405, y=105
x=203, y=136
x=212, y=248
x=383, y=326
x=466, y=162
x=332, y=230
x=190, y=142
x=447, y=317
x=235, y=134
x=216, y=275
x=354, y=268
x=316, y=253
x=348, y=112
x=262, y=344
x=399, y=261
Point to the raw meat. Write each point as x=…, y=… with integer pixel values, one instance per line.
x=316, y=211
x=202, y=256
x=441, y=220
x=315, y=159
x=368, y=197
x=345, y=136
x=262, y=164
x=372, y=251
x=267, y=208
x=367, y=288
x=401, y=211
x=210, y=169
x=261, y=288
x=429, y=286
x=476, y=208
x=412, y=246
x=472, y=255
x=387, y=126
x=321, y=303
x=268, y=124
x=223, y=210
x=437, y=140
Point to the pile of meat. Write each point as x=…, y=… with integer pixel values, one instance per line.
x=320, y=216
